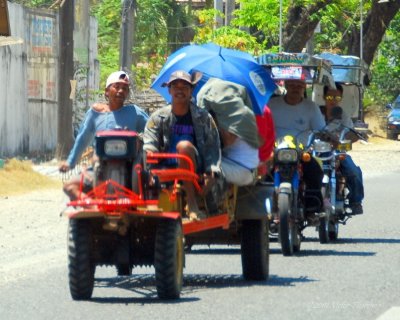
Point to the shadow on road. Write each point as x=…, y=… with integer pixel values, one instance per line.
x=323, y=252
x=356, y=240
x=368, y=240
x=217, y=251
x=143, y=286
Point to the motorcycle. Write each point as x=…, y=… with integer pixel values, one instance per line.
x=330, y=147
x=135, y=216
x=294, y=206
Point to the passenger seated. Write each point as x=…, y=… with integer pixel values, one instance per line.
x=184, y=128
x=230, y=106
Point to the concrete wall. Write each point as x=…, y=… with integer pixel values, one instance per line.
x=29, y=82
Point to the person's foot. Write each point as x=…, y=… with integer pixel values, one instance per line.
x=356, y=208
x=196, y=215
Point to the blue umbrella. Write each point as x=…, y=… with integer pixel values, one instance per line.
x=227, y=64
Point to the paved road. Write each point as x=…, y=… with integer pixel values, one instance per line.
x=356, y=278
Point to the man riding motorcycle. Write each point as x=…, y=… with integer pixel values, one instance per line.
x=349, y=169
x=296, y=115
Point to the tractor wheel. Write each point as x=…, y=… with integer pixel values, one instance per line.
x=124, y=269
x=81, y=267
x=255, y=250
x=169, y=259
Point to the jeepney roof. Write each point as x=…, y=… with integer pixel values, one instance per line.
x=285, y=66
x=347, y=69
x=292, y=59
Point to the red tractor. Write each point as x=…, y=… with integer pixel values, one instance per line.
x=135, y=216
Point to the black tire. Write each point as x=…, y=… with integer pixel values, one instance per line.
x=81, y=267
x=255, y=250
x=333, y=230
x=323, y=230
x=285, y=226
x=297, y=237
x=169, y=259
x=124, y=269
x=391, y=135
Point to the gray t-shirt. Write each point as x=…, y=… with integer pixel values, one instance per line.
x=296, y=120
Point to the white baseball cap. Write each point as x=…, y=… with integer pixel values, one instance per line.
x=117, y=76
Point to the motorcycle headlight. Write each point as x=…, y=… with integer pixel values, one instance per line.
x=322, y=146
x=115, y=147
x=344, y=145
x=391, y=119
x=287, y=155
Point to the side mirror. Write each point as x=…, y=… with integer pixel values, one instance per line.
x=389, y=106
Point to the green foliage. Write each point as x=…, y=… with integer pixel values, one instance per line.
x=35, y=3
x=262, y=15
x=385, y=86
x=228, y=37
x=162, y=26
x=108, y=15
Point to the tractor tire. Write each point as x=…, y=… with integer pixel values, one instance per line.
x=255, y=250
x=169, y=259
x=81, y=267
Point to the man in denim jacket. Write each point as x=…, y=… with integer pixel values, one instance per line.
x=184, y=128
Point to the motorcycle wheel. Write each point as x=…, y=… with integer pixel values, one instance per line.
x=255, y=250
x=169, y=259
x=81, y=267
x=333, y=230
x=285, y=227
x=323, y=230
x=297, y=237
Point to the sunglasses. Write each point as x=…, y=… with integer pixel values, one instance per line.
x=331, y=98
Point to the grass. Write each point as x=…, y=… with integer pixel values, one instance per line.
x=18, y=177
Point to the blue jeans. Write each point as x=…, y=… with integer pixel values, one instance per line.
x=354, y=179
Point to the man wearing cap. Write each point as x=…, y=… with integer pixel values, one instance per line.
x=103, y=116
x=295, y=115
x=184, y=128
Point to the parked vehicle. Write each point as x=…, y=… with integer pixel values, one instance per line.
x=393, y=120
x=135, y=216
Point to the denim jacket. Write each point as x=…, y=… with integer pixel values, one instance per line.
x=157, y=135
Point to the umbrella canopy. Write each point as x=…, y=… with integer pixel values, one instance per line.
x=218, y=62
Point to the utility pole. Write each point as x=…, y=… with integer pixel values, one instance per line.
x=218, y=5
x=127, y=31
x=66, y=72
x=229, y=8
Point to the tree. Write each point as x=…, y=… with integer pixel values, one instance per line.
x=385, y=86
x=377, y=21
x=339, y=18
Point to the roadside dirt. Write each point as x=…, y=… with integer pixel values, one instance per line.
x=378, y=155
